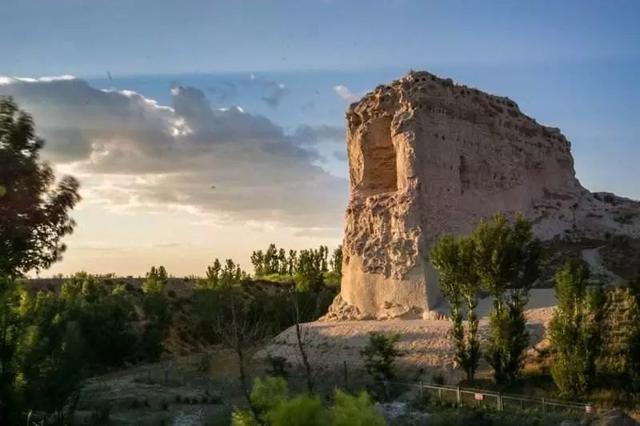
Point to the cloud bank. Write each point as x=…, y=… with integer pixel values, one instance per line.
x=131, y=151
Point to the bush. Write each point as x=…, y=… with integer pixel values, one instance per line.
x=303, y=410
x=349, y=410
x=268, y=393
x=243, y=418
x=380, y=355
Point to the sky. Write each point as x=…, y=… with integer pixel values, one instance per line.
x=203, y=129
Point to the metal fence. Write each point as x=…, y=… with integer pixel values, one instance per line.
x=470, y=397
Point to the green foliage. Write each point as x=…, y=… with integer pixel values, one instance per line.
x=52, y=341
x=271, y=403
x=307, y=268
x=508, y=339
x=502, y=259
x=380, y=355
x=268, y=393
x=10, y=327
x=454, y=259
x=273, y=310
x=574, y=330
x=218, y=275
x=156, y=280
x=350, y=410
x=303, y=410
x=336, y=261
x=34, y=210
x=243, y=418
x=507, y=259
x=633, y=343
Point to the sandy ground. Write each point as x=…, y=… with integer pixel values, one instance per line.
x=424, y=343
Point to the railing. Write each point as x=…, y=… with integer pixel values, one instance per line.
x=498, y=401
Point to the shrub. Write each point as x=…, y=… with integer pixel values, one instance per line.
x=349, y=410
x=303, y=410
x=380, y=355
x=268, y=393
x=243, y=418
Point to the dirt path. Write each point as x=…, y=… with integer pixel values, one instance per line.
x=593, y=259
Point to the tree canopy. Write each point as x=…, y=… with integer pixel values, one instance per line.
x=34, y=209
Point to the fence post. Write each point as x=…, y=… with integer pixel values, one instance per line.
x=499, y=402
x=458, y=396
x=544, y=406
x=440, y=394
x=421, y=391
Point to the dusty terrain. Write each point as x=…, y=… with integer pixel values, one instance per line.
x=424, y=343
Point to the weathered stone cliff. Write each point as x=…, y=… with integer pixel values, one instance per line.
x=427, y=157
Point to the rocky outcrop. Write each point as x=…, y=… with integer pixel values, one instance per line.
x=427, y=157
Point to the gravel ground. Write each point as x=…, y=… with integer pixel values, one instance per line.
x=424, y=343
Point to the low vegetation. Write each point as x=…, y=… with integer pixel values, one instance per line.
x=272, y=405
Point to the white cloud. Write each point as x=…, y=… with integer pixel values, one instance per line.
x=346, y=94
x=133, y=154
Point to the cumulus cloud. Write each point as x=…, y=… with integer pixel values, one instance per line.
x=133, y=152
x=346, y=94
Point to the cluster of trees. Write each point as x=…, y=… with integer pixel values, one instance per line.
x=271, y=404
x=52, y=340
x=33, y=219
x=501, y=259
x=582, y=346
x=239, y=315
x=309, y=268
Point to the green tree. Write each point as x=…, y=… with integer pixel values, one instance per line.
x=51, y=355
x=336, y=261
x=454, y=259
x=213, y=274
x=309, y=273
x=507, y=261
x=271, y=260
x=34, y=210
x=380, y=355
x=575, y=329
x=34, y=217
x=292, y=260
x=257, y=260
x=156, y=280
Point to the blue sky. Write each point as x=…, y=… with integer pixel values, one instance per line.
x=156, y=36
x=226, y=75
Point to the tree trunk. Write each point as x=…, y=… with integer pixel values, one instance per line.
x=303, y=353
